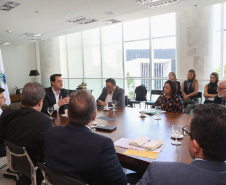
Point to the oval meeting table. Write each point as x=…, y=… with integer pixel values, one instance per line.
x=130, y=125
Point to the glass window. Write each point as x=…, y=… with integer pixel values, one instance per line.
x=163, y=25
x=111, y=34
x=112, y=61
x=136, y=30
x=74, y=55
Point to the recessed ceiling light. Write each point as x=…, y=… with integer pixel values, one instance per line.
x=77, y=19
x=4, y=43
x=9, y=6
x=31, y=35
x=87, y=21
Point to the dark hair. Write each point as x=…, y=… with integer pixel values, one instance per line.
x=174, y=74
x=194, y=77
x=81, y=107
x=208, y=128
x=111, y=80
x=2, y=90
x=32, y=93
x=173, y=85
x=53, y=77
x=213, y=86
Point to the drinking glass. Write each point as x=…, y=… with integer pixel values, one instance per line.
x=50, y=111
x=157, y=110
x=114, y=102
x=176, y=129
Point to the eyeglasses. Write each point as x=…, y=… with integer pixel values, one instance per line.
x=109, y=87
x=220, y=89
x=187, y=132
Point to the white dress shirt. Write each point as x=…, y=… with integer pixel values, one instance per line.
x=109, y=97
x=57, y=96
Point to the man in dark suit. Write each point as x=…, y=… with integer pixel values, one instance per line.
x=111, y=92
x=56, y=96
x=207, y=146
x=27, y=126
x=76, y=151
x=221, y=90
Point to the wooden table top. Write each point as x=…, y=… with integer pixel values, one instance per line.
x=131, y=125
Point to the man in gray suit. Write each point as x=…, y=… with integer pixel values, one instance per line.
x=111, y=92
x=207, y=146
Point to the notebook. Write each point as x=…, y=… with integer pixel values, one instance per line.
x=145, y=142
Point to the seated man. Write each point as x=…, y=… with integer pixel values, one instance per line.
x=111, y=92
x=221, y=90
x=56, y=96
x=76, y=151
x=27, y=126
x=207, y=146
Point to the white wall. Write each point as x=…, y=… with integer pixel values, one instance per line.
x=18, y=61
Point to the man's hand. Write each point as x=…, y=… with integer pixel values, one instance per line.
x=63, y=101
x=101, y=103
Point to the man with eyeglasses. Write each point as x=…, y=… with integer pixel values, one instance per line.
x=221, y=90
x=56, y=96
x=207, y=146
x=111, y=92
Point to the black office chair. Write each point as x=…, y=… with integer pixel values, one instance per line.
x=140, y=94
x=153, y=92
x=20, y=161
x=51, y=178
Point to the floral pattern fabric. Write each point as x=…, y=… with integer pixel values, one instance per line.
x=169, y=104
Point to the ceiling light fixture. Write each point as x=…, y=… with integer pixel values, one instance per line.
x=87, y=21
x=9, y=6
x=31, y=35
x=146, y=1
x=163, y=3
x=4, y=43
x=77, y=19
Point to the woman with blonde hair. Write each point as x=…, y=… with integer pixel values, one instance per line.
x=190, y=88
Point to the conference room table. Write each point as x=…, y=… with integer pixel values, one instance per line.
x=131, y=125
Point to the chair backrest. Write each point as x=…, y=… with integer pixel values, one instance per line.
x=51, y=178
x=141, y=93
x=20, y=161
x=199, y=95
x=155, y=92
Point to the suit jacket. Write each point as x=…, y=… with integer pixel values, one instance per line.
x=118, y=95
x=25, y=127
x=50, y=99
x=217, y=100
x=199, y=172
x=78, y=152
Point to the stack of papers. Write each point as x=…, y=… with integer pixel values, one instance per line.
x=142, y=147
x=145, y=142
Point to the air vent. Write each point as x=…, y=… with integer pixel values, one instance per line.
x=9, y=6
x=110, y=13
x=112, y=21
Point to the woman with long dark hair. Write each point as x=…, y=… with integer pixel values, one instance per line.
x=169, y=101
x=190, y=88
x=211, y=88
x=172, y=76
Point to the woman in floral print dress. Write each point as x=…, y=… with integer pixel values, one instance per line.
x=169, y=101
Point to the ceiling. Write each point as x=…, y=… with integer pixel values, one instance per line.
x=49, y=17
